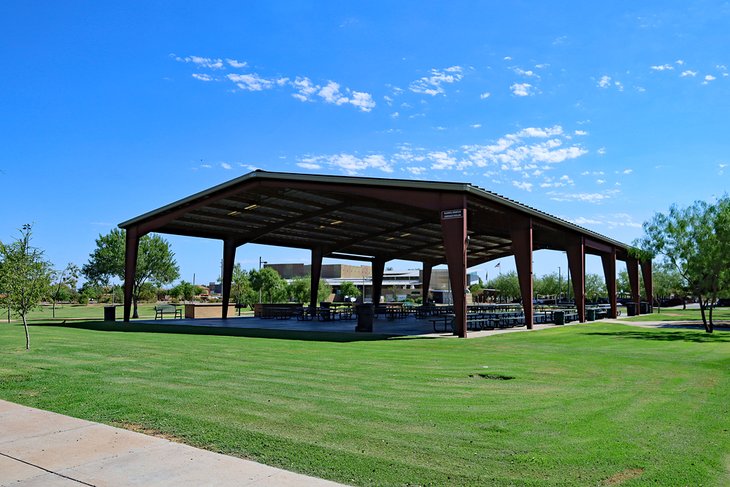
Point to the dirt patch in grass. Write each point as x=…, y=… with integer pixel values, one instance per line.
x=621, y=477
x=491, y=376
x=138, y=428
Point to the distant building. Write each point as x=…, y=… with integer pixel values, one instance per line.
x=397, y=285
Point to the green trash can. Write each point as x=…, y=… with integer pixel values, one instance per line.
x=591, y=314
x=559, y=317
x=110, y=313
x=365, y=314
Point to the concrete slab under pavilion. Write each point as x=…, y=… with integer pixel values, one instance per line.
x=408, y=327
x=378, y=220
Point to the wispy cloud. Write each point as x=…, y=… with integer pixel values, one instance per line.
x=304, y=88
x=347, y=163
x=434, y=84
x=524, y=185
x=522, y=89
x=688, y=74
x=203, y=62
x=594, y=198
x=226, y=166
x=485, y=95
x=663, y=67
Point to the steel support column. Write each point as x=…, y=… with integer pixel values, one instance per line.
x=646, y=274
x=378, y=271
x=577, y=266
x=522, y=250
x=453, y=229
x=426, y=282
x=229, y=257
x=131, y=249
x=609, y=274
x=632, y=269
x=314, y=280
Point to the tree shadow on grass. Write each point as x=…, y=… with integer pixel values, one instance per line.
x=315, y=336
x=694, y=336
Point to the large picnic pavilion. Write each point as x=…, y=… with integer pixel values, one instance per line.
x=378, y=220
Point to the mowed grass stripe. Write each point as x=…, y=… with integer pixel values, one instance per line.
x=585, y=404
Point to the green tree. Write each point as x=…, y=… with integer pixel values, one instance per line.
x=668, y=282
x=185, y=290
x=595, y=287
x=63, y=280
x=547, y=285
x=270, y=284
x=349, y=289
x=25, y=277
x=696, y=242
x=507, y=285
x=299, y=289
x=155, y=262
x=242, y=291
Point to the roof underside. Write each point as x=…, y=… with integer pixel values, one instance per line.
x=356, y=217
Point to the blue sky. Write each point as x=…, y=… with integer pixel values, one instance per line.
x=602, y=114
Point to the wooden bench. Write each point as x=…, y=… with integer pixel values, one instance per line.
x=161, y=309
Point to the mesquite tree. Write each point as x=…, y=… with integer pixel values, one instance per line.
x=25, y=277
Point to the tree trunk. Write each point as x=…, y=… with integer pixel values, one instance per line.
x=53, y=308
x=710, y=326
x=134, y=305
x=27, y=334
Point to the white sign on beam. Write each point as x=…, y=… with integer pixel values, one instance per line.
x=452, y=214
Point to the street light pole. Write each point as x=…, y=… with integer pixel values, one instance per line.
x=260, y=289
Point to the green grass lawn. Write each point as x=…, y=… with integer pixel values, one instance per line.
x=592, y=404
x=720, y=315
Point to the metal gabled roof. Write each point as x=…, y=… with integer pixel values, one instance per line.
x=360, y=216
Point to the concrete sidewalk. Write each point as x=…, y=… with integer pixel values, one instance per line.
x=40, y=448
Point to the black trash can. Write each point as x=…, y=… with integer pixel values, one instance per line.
x=631, y=309
x=110, y=313
x=591, y=314
x=645, y=308
x=559, y=317
x=365, y=313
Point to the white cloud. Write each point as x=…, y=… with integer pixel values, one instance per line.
x=485, y=95
x=309, y=165
x=604, y=82
x=363, y=101
x=476, y=125
x=347, y=163
x=250, y=82
x=581, y=132
x=395, y=115
x=522, y=72
x=663, y=67
x=305, y=88
x=226, y=166
x=522, y=89
x=708, y=78
x=507, y=58
x=679, y=62
x=236, y=64
x=600, y=181
x=330, y=93
x=416, y=171
x=388, y=100
x=583, y=197
x=688, y=73
x=202, y=77
x=607, y=221
x=433, y=85
x=601, y=151
x=539, y=132
x=522, y=185
x=203, y=62
x=627, y=171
